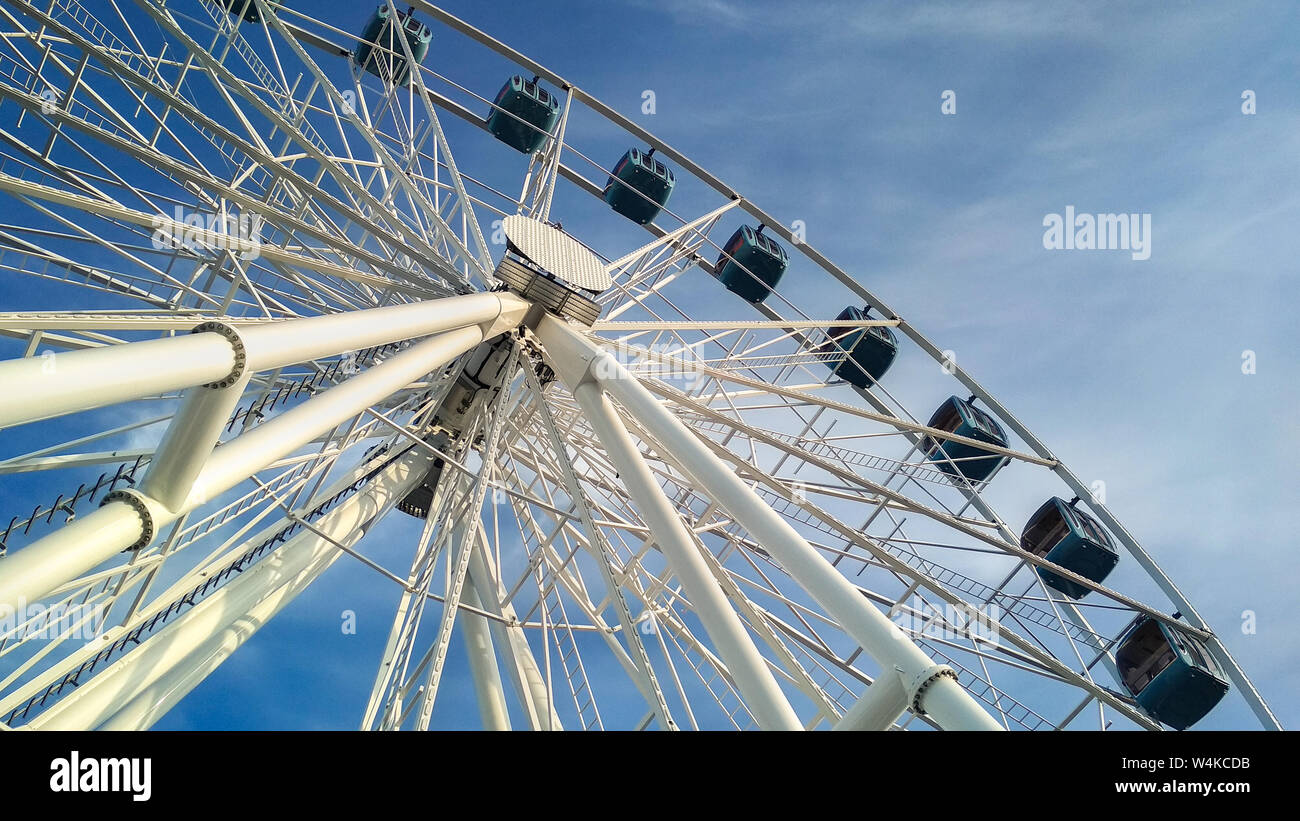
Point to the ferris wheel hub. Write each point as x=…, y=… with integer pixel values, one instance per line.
x=552, y=269
x=552, y=250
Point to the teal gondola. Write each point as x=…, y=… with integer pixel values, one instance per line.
x=639, y=186
x=859, y=356
x=381, y=53
x=1065, y=535
x=751, y=264
x=248, y=8
x=1170, y=674
x=523, y=114
x=960, y=416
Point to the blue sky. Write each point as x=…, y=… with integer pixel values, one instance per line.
x=1130, y=370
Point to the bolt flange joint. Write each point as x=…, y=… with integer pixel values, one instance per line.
x=922, y=681
x=237, y=345
x=137, y=502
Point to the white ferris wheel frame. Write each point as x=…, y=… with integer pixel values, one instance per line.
x=413, y=287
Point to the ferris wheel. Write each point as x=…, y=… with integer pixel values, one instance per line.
x=284, y=277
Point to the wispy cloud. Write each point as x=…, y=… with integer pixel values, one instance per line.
x=1004, y=19
x=701, y=12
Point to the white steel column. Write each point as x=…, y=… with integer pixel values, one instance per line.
x=525, y=675
x=275, y=344
x=192, y=434
x=762, y=695
x=32, y=572
x=27, y=575
x=483, y=664
x=41, y=387
x=880, y=706
x=937, y=694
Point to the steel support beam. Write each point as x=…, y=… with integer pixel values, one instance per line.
x=52, y=385
x=483, y=664
x=880, y=706
x=525, y=674
x=192, y=434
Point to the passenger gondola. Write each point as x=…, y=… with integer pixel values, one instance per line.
x=751, y=264
x=639, y=186
x=381, y=53
x=523, y=114
x=961, y=417
x=1170, y=674
x=859, y=356
x=1065, y=535
x=248, y=9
